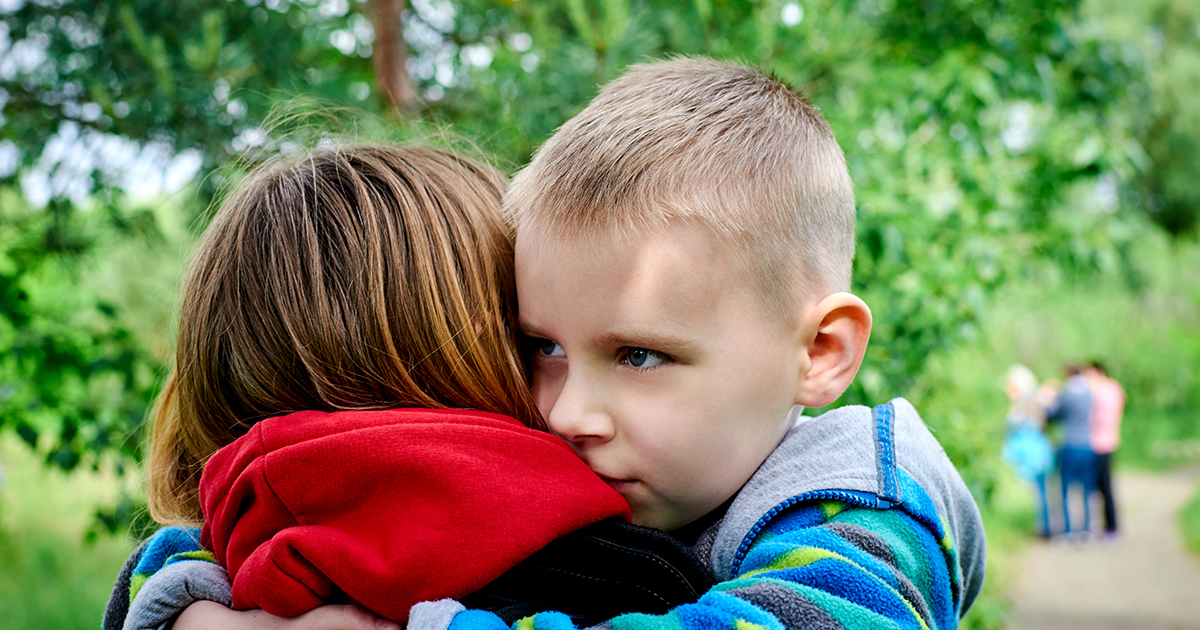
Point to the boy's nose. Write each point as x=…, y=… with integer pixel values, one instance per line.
x=577, y=416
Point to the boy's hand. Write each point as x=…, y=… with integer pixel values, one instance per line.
x=206, y=615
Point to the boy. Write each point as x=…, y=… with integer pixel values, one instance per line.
x=683, y=254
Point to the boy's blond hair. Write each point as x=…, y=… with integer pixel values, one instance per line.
x=716, y=144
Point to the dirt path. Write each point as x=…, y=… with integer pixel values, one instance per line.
x=1148, y=581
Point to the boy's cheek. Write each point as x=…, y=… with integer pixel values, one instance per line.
x=546, y=386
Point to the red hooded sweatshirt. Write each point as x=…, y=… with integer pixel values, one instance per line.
x=388, y=508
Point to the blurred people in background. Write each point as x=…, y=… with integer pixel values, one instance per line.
x=1072, y=409
x=1026, y=448
x=1108, y=404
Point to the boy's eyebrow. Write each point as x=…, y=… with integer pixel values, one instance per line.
x=649, y=340
x=529, y=330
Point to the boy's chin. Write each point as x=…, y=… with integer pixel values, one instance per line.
x=661, y=519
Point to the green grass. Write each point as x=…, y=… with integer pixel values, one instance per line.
x=1008, y=520
x=1189, y=523
x=51, y=576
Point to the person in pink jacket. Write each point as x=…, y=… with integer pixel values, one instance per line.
x=1108, y=405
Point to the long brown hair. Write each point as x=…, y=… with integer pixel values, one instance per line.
x=354, y=277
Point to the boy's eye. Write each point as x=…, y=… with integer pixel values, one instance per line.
x=642, y=358
x=547, y=348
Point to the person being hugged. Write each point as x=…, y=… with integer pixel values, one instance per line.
x=349, y=416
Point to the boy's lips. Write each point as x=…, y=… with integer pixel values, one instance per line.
x=617, y=484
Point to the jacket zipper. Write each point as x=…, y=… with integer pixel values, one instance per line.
x=856, y=498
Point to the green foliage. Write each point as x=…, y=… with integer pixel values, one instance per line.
x=193, y=74
x=977, y=133
x=51, y=577
x=1160, y=36
x=1189, y=522
x=72, y=366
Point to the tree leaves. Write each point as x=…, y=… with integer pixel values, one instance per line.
x=988, y=140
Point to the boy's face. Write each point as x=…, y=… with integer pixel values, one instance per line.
x=653, y=359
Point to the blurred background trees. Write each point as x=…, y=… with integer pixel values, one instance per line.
x=1026, y=173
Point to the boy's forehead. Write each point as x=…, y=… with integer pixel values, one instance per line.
x=535, y=245
x=684, y=262
x=609, y=262
x=659, y=280
x=551, y=245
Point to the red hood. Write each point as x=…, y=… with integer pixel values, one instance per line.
x=388, y=508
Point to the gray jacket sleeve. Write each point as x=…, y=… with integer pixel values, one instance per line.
x=172, y=589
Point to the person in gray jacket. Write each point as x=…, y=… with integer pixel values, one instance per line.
x=1073, y=409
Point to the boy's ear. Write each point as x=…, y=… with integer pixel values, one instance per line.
x=834, y=336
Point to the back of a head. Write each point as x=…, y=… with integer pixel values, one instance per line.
x=354, y=277
x=1022, y=382
x=719, y=144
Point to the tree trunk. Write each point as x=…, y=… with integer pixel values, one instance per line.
x=391, y=73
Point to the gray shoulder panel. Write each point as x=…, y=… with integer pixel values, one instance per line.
x=174, y=588
x=837, y=451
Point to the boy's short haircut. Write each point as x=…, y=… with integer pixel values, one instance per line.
x=711, y=143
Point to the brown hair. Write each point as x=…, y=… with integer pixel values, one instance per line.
x=355, y=277
x=715, y=143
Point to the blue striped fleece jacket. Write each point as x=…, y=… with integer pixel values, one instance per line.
x=857, y=520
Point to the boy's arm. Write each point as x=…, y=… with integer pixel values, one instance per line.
x=168, y=592
x=819, y=565
x=164, y=575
